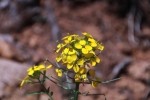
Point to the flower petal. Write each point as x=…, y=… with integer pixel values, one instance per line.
x=84, y=51
x=69, y=66
x=82, y=42
x=88, y=47
x=76, y=68
x=78, y=46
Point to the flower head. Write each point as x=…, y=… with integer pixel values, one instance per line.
x=33, y=73
x=79, y=54
x=35, y=69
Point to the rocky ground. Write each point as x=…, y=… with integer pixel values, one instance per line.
x=28, y=35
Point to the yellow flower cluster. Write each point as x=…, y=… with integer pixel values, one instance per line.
x=34, y=72
x=78, y=53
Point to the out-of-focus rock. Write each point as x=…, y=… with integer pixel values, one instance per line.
x=10, y=49
x=11, y=74
x=18, y=94
x=140, y=70
x=5, y=46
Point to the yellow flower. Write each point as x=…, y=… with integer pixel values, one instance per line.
x=94, y=84
x=69, y=39
x=93, y=42
x=71, y=52
x=80, y=77
x=82, y=42
x=64, y=58
x=78, y=45
x=66, y=50
x=97, y=59
x=82, y=70
x=90, y=54
x=77, y=78
x=84, y=51
x=94, y=61
x=38, y=68
x=71, y=58
x=76, y=68
x=59, y=72
x=87, y=34
x=88, y=47
x=58, y=59
x=77, y=52
x=33, y=72
x=59, y=47
x=100, y=47
x=25, y=80
x=80, y=62
x=84, y=77
x=69, y=66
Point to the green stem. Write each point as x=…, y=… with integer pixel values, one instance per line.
x=76, y=93
x=50, y=96
x=45, y=90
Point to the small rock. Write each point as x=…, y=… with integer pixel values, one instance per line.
x=11, y=74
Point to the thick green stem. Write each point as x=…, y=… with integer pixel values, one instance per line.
x=76, y=93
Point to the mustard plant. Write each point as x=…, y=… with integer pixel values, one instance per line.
x=77, y=57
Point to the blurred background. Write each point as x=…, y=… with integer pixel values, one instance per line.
x=29, y=30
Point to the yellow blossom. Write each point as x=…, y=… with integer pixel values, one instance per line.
x=84, y=51
x=90, y=54
x=58, y=59
x=78, y=45
x=71, y=52
x=59, y=47
x=97, y=59
x=82, y=42
x=87, y=34
x=66, y=50
x=78, y=53
x=84, y=77
x=59, y=72
x=82, y=70
x=77, y=78
x=94, y=84
x=33, y=72
x=25, y=80
x=69, y=66
x=93, y=42
x=88, y=47
x=80, y=62
x=100, y=47
x=76, y=68
x=35, y=69
x=71, y=58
